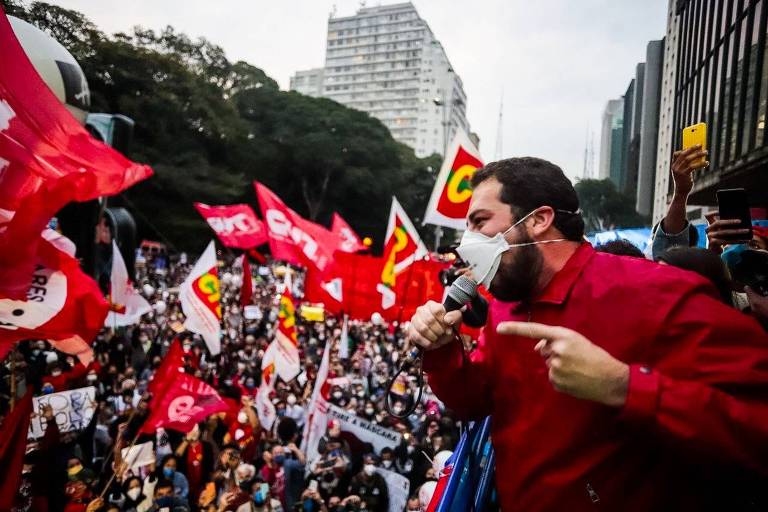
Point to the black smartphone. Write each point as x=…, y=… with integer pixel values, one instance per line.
x=733, y=204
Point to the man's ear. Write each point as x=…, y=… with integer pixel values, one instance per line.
x=543, y=220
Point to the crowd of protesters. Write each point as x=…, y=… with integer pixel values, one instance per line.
x=229, y=462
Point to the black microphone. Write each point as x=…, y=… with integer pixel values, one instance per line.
x=476, y=315
x=461, y=292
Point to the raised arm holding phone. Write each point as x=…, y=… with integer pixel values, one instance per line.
x=610, y=380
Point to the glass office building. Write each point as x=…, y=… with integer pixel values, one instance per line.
x=721, y=78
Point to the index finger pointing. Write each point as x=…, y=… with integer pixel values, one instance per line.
x=530, y=330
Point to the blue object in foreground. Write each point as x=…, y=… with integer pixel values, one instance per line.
x=470, y=484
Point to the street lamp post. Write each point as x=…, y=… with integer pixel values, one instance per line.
x=446, y=103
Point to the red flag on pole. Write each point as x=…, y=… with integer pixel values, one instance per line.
x=183, y=402
x=350, y=242
x=236, y=225
x=47, y=159
x=62, y=302
x=169, y=369
x=13, y=441
x=292, y=238
x=246, y=291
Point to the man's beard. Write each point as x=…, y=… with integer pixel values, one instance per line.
x=518, y=273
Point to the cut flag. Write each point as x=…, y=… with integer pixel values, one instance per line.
x=126, y=305
x=201, y=300
x=293, y=238
x=265, y=409
x=449, y=202
x=287, y=363
x=236, y=225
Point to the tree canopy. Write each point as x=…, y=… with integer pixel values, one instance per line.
x=604, y=207
x=209, y=127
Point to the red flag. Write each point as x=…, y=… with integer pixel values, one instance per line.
x=183, y=402
x=246, y=291
x=47, y=159
x=13, y=441
x=350, y=242
x=61, y=302
x=353, y=285
x=235, y=225
x=293, y=238
x=169, y=369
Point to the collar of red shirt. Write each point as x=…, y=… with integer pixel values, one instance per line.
x=560, y=285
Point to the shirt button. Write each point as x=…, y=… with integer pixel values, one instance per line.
x=645, y=370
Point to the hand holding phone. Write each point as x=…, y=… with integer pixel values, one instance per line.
x=734, y=205
x=693, y=136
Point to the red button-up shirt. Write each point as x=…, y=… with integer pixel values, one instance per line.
x=696, y=413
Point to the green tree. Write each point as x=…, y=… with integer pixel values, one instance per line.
x=604, y=207
x=209, y=127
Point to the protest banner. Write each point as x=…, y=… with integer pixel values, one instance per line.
x=365, y=430
x=73, y=410
x=397, y=487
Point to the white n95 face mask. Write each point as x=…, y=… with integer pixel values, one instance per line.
x=483, y=253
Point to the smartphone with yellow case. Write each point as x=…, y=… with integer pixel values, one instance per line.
x=696, y=135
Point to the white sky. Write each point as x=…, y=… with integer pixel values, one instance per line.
x=557, y=61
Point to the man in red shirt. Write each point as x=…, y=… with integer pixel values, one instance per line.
x=613, y=382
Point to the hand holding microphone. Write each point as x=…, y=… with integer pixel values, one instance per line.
x=433, y=325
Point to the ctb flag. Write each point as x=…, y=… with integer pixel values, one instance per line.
x=449, y=202
x=200, y=296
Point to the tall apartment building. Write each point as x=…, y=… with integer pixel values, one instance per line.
x=386, y=61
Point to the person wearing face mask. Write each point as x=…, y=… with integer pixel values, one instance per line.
x=167, y=471
x=294, y=410
x=593, y=364
x=136, y=499
x=370, y=486
x=387, y=458
x=165, y=501
x=246, y=430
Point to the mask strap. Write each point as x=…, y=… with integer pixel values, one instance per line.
x=539, y=242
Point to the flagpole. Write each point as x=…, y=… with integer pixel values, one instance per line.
x=405, y=290
x=121, y=468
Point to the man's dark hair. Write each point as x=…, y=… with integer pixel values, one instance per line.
x=620, y=248
x=528, y=183
x=704, y=262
